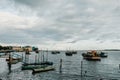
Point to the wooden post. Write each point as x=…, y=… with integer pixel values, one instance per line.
x=9, y=63
x=47, y=56
x=35, y=59
x=60, y=65
x=81, y=68
x=119, y=66
x=43, y=57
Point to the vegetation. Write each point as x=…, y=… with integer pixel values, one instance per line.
x=5, y=47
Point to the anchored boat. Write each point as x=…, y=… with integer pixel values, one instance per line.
x=30, y=66
x=68, y=53
x=103, y=55
x=91, y=56
x=55, y=52
x=43, y=69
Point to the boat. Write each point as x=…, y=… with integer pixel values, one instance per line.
x=74, y=52
x=103, y=55
x=40, y=63
x=30, y=67
x=68, y=53
x=92, y=55
x=43, y=69
x=55, y=52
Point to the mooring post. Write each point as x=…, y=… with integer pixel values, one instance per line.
x=81, y=68
x=60, y=65
x=35, y=59
x=9, y=63
x=119, y=66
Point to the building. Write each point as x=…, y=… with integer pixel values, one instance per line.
x=17, y=48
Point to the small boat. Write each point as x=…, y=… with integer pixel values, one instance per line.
x=30, y=66
x=43, y=69
x=103, y=55
x=40, y=63
x=68, y=53
x=74, y=52
x=55, y=52
x=93, y=56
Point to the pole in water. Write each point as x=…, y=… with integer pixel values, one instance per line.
x=81, y=68
x=60, y=65
x=119, y=66
x=9, y=63
x=35, y=58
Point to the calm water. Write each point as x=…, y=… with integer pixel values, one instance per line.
x=107, y=68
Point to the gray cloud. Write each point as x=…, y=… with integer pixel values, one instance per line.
x=59, y=21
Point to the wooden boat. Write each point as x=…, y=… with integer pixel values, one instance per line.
x=91, y=56
x=43, y=69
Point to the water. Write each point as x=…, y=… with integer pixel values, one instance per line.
x=107, y=68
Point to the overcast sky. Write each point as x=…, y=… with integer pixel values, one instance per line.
x=60, y=24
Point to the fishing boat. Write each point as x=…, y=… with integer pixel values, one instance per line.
x=93, y=56
x=55, y=52
x=68, y=53
x=74, y=52
x=103, y=55
x=43, y=69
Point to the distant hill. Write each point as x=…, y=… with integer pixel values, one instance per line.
x=111, y=49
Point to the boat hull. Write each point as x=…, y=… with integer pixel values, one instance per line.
x=43, y=69
x=92, y=58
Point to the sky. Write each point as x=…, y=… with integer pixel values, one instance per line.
x=61, y=24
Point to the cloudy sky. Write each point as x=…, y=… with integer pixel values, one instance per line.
x=60, y=24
